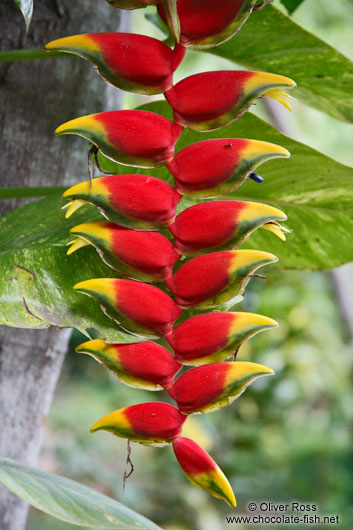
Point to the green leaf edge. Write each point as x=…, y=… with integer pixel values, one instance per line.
x=5, y=474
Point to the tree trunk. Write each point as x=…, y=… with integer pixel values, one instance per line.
x=36, y=96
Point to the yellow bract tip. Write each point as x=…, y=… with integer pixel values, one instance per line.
x=82, y=126
x=258, y=210
x=280, y=96
x=98, y=287
x=116, y=419
x=243, y=370
x=85, y=347
x=72, y=207
x=73, y=44
x=76, y=244
x=78, y=189
x=276, y=229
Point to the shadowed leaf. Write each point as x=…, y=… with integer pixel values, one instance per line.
x=36, y=283
x=271, y=41
x=68, y=500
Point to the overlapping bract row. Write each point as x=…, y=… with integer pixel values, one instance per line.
x=212, y=273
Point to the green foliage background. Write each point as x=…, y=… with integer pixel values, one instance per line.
x=288, y=437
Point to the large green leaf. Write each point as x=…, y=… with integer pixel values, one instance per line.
x=314, y=190
x=271, y=41
x=26, y=7
x=68, y=500
x=37, y=277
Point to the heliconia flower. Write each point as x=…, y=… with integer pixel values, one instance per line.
x=212, y=337
x=210, y=22
x=214, y=279
x=169, y=8
x=131, y=62
x=147, y=256
x=144, y=365
x=140, y=308
x=148, y=423
x=202, y=470
x=134, y=201
x=222, y=225
x=216, y=167
x=210, y=100
x=214, y=386
x=136, y=138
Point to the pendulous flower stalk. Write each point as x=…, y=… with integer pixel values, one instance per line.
x=137, y=206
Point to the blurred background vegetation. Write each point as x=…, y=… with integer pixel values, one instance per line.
x=289, y=436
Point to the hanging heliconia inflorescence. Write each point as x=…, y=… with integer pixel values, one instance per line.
x=213, y=273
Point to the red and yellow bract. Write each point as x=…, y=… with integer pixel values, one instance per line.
x=214, y=279
x=202, y=470
x=136, y=254
x=212, y=337
x=221, y=225
x=140, y=202
x=213, y=386
x=210, y=100
x=220, y=20
x=148, y=423
x=135, y=63
x=136, y=138
x=219, y=166
x=140, y=308
x=144, y=365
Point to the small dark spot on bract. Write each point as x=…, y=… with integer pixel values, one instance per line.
x=320, y=76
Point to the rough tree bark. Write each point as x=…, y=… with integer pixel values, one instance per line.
x=36, y=96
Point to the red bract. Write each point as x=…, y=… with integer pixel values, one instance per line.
x=131, y=62
x=169, y=6
x=134, y=137
x=135, y=201
x=216, y=167
x=211, y=100
x=213, y=337
x=148, y=423
x=202, y=471
x=221, y=225
x=208, y=23
x=147, y=256
x=138, y=307
x=214, y=386
x=142, y=365
x=214, y=279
